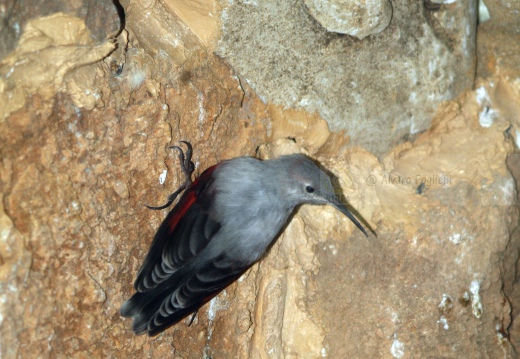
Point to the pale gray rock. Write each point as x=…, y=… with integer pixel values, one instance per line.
x=440, y=2
x=381, y=90
x=356, y=18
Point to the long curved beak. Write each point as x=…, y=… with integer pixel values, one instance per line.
x=350, y=216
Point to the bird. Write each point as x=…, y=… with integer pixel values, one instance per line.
x=224, y=222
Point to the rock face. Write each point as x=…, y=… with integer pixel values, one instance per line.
x=76, y=174
x=81, y=155
x=499, y=62
x=499, y=39
x=431, y=276
x=354, y=18
x=380, y=90
x=101, y=17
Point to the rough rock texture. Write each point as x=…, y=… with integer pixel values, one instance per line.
x=81, y=156
x=75, y=176
x=499, y=40
x=510, y=268
x=101, y=17
x=49, y=51
x=355, y=18
x=380, y=90
x=202, y=17
x=499, y=53
x=433, y=274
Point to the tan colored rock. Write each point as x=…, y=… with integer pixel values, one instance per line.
x=438, y=280
x=101, y=17
x=201, y=16
x=160, y=33
x=73, y=170
x=431, y=275
x=498, y=40
x=498, y=97
x=430, y=244
x=49, y=49
x=308, y=130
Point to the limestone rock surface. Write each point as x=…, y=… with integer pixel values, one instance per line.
x=101, y=17
x=355, y=18
x=81, y=156
x=381, y=90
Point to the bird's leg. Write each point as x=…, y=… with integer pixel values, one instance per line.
x=187, y=168
x=187, y=165
x=193, y=317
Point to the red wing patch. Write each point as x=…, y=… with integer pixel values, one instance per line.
x=190, y=197
x=186, y=204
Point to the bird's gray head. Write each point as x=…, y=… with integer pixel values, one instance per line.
x=306, y=183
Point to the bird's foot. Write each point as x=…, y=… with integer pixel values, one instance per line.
x=187, y=168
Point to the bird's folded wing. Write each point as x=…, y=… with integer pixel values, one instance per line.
x=197, y=289
x=185, y=232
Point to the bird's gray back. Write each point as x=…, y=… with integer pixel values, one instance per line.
x=248, y=206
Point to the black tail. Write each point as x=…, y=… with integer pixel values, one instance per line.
x=133, y=305
x=147, y=308
x=138, y=308
x=180, y=295
x=159, y=323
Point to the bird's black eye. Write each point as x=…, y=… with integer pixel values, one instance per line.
x=309, y=189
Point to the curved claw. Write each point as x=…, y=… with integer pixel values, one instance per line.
x=158, y=208
x=171, y=198
x=187, y=165
x=189, y=152
x=193, y=317
x=187, y=168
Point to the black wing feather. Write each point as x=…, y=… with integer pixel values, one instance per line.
x=166, y=272
x=186, y=230
x=196, y=288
